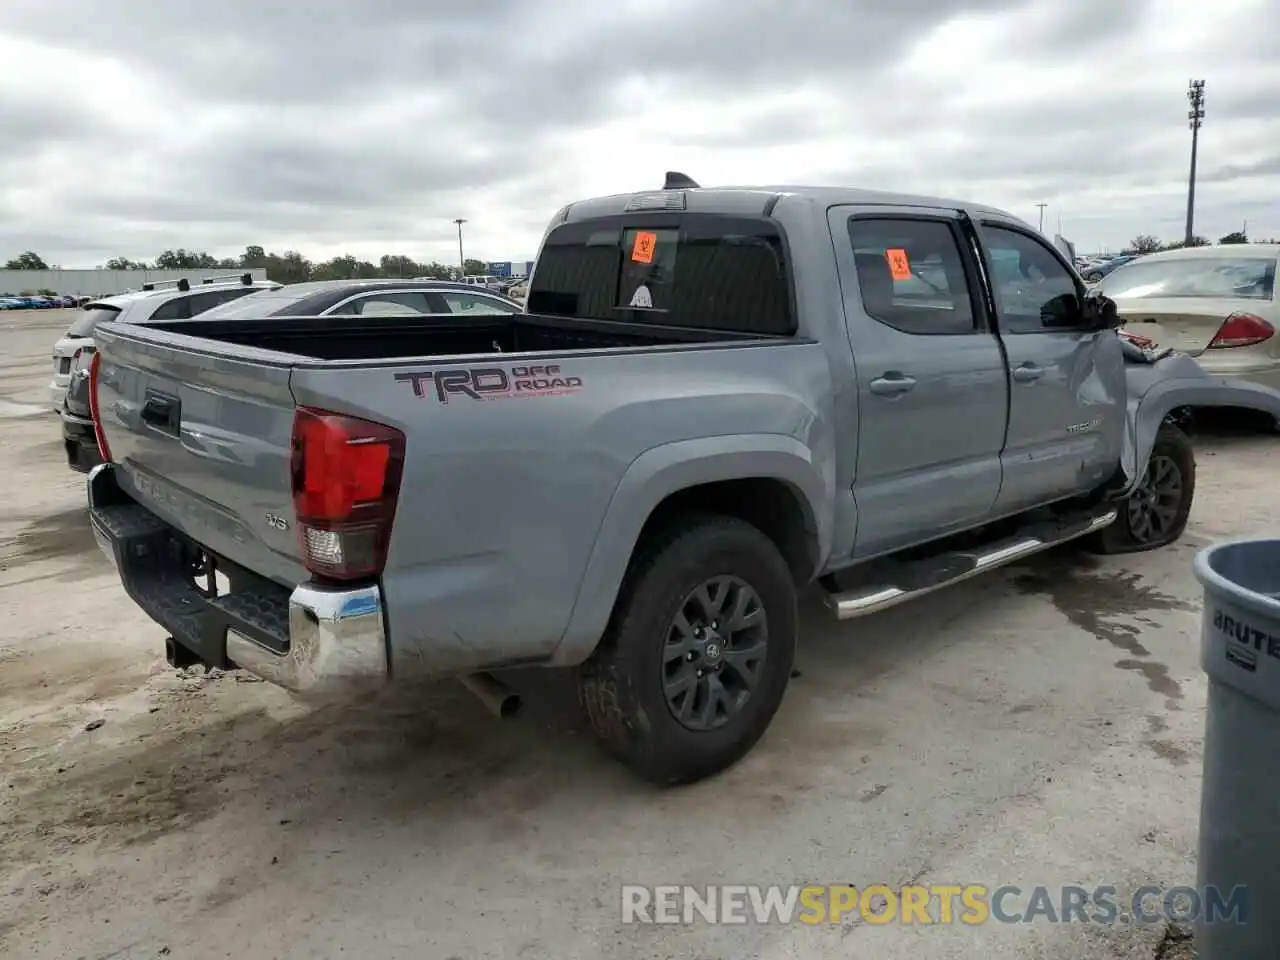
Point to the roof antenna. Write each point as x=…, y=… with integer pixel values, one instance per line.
x=679, y=181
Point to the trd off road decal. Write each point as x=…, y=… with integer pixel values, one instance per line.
x=491, y=383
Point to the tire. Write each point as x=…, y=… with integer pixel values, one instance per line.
x=1093, y=278
x=1129, y=533
x=622, y=685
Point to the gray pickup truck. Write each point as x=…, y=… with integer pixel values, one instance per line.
x=715, y=398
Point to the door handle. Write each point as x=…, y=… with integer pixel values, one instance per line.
x=1028, y=373
x=891, y=384
x=161, y=413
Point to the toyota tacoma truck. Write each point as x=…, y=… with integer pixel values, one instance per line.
x=715, y=398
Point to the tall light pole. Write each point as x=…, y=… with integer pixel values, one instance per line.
x=462, y=263
x=1195, y=94
x=1042, y=206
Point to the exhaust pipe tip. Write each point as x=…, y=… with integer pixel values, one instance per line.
x=500, y=699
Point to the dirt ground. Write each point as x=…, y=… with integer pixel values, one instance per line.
x=1038, y=727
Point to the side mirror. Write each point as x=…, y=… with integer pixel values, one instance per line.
x=1100, y=312
x=1063, y=311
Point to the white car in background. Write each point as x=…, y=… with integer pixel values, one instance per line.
x=1217, y=304
x=162, y=300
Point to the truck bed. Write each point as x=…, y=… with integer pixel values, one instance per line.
x=354, y=338
x=200, y=414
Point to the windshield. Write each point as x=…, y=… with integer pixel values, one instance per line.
x=92, y=316
x=1244, y=278
x=262, y=304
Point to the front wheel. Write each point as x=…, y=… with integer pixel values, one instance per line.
x=1156, y=512
x=697, y=655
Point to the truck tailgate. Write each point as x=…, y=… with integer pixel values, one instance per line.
x=204, y=442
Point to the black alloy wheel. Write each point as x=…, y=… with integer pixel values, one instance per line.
x=715, y=652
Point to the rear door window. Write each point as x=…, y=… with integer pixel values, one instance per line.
x=201, y=302
x=176, y=309
x=687, y=270
x=408, y=304
x=911, y=275
x=474, y=305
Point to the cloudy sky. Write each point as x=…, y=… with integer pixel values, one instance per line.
x=365, y=126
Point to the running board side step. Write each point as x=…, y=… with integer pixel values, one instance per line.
x=897, y=581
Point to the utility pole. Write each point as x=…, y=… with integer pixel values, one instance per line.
x=462, y=263
x=1042, y=206
x=1195, y=94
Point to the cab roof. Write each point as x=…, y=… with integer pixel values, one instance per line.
x=681, y=194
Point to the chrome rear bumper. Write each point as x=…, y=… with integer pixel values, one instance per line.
x=317, y=640
x=337, y=643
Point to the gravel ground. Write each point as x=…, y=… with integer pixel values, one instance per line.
x=1038, y=727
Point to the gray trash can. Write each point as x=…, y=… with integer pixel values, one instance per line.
x=1240, y=797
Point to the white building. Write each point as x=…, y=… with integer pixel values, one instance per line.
x=104, y=283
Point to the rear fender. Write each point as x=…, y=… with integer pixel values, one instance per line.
x=670, y=468
x=1176, y=381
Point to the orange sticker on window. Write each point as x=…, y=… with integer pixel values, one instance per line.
x=642, y=249
x=899, y=265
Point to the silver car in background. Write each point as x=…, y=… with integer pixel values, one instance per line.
x=1216, y=304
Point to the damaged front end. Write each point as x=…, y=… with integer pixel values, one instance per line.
x=1165, y=385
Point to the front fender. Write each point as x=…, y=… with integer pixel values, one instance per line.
x=670, y=468
x=1157, y=389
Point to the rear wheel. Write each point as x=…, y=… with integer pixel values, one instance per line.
x=1156, y=512
x=698, y=653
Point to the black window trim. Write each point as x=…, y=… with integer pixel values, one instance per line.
x=986, y=223
x=677, y=219
x=973, y=280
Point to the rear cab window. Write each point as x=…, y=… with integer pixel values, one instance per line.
x=704, y=271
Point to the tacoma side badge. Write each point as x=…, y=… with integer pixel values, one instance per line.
x=280, y=523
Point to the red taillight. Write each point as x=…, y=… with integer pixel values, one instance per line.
x=1241, y=330
x=346, y=479
x=80, y=359
x=95, y=412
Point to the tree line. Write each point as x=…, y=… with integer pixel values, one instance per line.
x=287, y=267
x=1147, y=243
x=292, y=267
